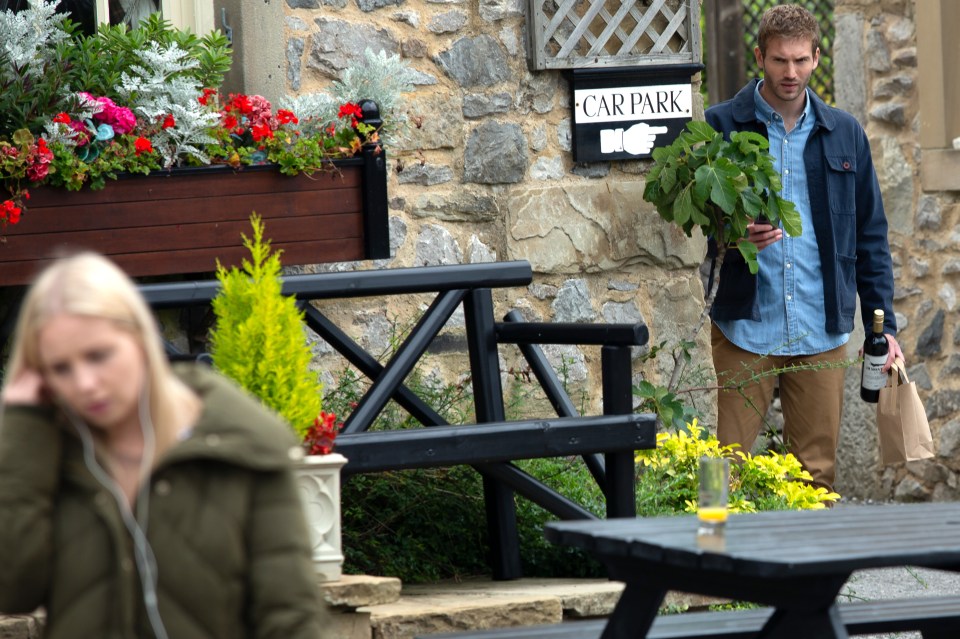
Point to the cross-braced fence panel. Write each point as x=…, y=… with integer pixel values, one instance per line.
x=567, y=34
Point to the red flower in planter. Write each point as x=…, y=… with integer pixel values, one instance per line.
x=352, y=111
x=40, y=158
x=320, y=437
x=9, y=212
x=287, y=117
x=143, y=145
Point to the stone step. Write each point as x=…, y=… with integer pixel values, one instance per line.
x=482, y=603
x=366, y=607
x=21, y=626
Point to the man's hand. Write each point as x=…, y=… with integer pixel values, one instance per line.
x=893, y=351
x=763, y=234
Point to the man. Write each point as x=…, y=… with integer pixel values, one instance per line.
x=799, y=309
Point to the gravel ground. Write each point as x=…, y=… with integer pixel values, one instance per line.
x=897, y=583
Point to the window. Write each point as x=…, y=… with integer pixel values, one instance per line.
x=938, y=56
x=196, y=15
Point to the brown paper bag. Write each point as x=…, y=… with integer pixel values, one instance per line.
x=901, y=419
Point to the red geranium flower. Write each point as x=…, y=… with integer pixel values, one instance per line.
x=62, y=118
x=320, y=436
x=260, y=131
x=142, y=145
x=207, y=94
x=240, y=102
x=9, y=212
x=285, y=117
x=350, y=109
x=40, y=157
x=168, y=122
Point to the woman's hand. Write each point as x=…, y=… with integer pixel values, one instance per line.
x=26, y=388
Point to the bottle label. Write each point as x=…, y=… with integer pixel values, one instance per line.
x=873, y=376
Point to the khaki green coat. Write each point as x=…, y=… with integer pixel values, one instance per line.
x=224, y=522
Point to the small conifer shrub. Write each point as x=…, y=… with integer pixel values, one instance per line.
x=259, y=339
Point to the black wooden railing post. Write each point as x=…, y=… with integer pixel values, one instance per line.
x=488, y=402
x=620, y=490
x=376, y=243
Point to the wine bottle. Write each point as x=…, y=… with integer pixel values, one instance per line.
x=875, y=349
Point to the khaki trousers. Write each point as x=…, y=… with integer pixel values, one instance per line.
x=812, y=402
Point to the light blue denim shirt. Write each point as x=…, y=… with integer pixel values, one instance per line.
x=790, y=285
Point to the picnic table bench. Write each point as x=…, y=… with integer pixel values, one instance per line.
x=606, y=442
x=795, y=563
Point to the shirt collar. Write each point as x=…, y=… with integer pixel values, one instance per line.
x=766, y=112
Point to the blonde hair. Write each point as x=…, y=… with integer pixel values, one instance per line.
x=788, y=21
x=90, y=285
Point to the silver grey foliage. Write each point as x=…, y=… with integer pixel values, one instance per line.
x=29, y=38
x=379, y=77
x=158, y=88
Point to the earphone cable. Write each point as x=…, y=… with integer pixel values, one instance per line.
x=143, y=553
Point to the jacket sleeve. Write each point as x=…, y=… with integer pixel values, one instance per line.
x=285, y=602
x=874, y=265
x=31, y=449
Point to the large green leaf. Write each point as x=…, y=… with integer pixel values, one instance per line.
x=787, y=214
x=698, y=217
x=749, y=252
x=683, y=206
x=701, y=131
x=720, y=177
x=651, y=191
x=749, y=142
x=752, y=203
x=668, y=179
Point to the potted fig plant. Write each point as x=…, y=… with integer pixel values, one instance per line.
x=259, y=341
x=719, y=186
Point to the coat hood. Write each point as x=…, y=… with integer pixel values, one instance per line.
x=233, y=427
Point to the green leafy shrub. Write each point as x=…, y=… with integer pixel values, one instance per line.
x=419, y=525
x=259, y=340
x=429, y=525
x=100, y=61
x=668, y=478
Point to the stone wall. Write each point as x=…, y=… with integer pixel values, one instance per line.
x=486, y=173
x=875, y=59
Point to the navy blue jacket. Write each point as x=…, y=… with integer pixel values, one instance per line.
x=848, y=219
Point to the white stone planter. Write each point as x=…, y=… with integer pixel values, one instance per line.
x=319, y=479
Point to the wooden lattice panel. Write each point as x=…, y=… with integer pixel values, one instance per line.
x=566, y=34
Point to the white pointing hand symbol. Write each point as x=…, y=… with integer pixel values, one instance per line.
x=640, y=138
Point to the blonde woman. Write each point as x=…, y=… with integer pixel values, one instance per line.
x=139, y=500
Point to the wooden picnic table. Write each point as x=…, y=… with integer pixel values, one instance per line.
x=796, y=562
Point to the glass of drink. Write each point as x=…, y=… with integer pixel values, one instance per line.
x=714, y=487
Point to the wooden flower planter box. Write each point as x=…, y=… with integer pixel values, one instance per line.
x=183, y=221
